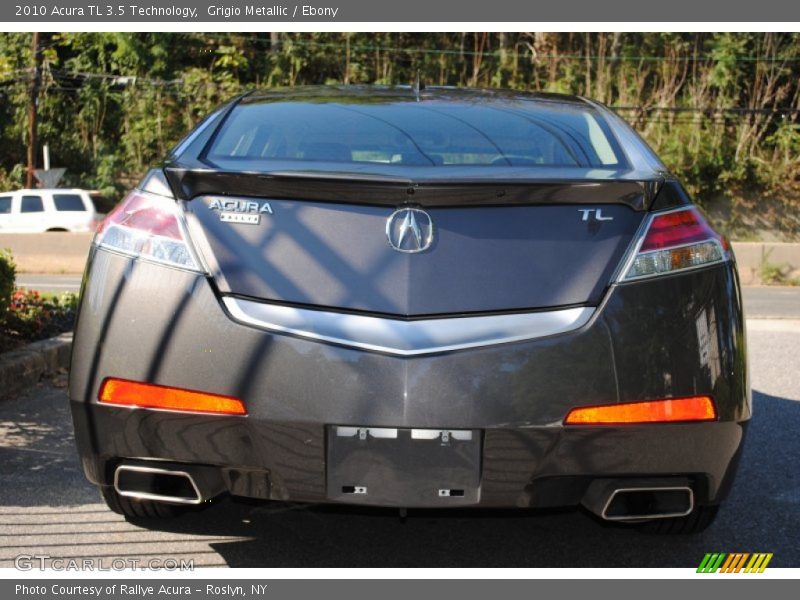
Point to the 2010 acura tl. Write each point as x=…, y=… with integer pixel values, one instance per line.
x=395, y=297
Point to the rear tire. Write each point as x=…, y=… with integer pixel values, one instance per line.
x=134, y=509
x=695, y=522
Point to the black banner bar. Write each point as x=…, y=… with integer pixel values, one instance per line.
x=399, y=589
x=327, y=11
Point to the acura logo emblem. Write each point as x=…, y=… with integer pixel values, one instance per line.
x=409, y=230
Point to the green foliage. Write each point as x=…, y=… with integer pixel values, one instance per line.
x=112, y=104
x=772, y=274
x=27, y=315
x=32, y=316
x=775, y=274
x=8, y=273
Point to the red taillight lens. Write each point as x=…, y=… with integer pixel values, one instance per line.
x=694, y=408
x=677, y=229
x=677, y=240
x=146, y=213
x=147, y=395
x=147, y=226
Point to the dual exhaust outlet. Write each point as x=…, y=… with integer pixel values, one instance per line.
x=610, y=499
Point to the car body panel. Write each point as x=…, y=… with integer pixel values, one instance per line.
x=334, y=341
x=517, y=393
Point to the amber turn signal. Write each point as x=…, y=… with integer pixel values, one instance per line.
x=147, y=395
x=694, y=408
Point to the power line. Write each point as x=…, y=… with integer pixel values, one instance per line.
x=136, y=81
x=511, y=53
x=715, y=115
x=743, y=110
x=507, y=52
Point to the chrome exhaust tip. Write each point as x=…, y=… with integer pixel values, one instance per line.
x=635, y=504
x=639, y=500
x=172, y=485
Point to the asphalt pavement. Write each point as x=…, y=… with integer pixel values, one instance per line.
x=47, y=507
x=49, y=283
x=771, y=302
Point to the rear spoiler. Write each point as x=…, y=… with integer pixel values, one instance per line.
x=379, y=190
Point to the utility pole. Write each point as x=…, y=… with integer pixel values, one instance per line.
x=347, y=59
x=33, y=102
x=274, y=42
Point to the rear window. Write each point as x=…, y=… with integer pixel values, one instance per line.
x=547, y=134
x=68, y=202
x=31, y=204
x=5, y=205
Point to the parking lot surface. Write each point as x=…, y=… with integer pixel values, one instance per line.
x=47, y=507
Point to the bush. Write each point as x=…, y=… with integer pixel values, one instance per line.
x=33, y=317
x=8, y=273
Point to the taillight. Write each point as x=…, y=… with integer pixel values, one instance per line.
x=122, y=392
x=675, y=241
x=694, y=408
x=150, y=227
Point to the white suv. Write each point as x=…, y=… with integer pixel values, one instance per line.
x=35, y=211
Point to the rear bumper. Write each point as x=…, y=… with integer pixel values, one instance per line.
x=521, y=467
x=669, y=337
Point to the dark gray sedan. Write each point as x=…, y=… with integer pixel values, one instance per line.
x=412, y=298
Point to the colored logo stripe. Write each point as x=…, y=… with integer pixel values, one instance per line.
x=734, y=563
x=711, y=563
x=758, y=563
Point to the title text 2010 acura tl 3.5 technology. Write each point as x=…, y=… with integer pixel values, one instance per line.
x=412, y=298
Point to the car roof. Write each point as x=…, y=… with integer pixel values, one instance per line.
x=382, y=93
x=40, y=190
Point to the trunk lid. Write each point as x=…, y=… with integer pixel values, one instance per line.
x=494, y=248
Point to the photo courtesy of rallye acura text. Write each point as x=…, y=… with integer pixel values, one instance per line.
x=408, y=298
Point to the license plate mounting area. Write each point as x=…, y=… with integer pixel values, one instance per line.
x=409, y=468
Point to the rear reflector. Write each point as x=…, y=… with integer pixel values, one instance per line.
x=695, y=408
x=147, y=395
x=677, y=240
